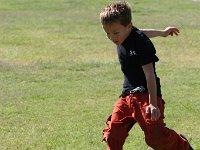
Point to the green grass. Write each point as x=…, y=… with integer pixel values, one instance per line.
x=59, y=75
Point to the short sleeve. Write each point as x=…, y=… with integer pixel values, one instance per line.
x=147, y=52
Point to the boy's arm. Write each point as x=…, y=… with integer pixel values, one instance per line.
x=163, y=33
x=152, y=89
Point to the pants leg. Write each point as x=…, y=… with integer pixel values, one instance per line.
x=157, y=135
x=118, y=125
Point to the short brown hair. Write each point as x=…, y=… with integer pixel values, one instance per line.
x=116, y=12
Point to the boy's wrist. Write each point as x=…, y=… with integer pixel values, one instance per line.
x=162, y=33
x=154, y=103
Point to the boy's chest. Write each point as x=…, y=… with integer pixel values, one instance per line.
x=129, y=54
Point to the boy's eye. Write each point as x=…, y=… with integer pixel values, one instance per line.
x=115, y=33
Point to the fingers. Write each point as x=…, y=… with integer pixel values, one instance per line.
x=174, y=31
x=155, y=112
x=148, y=109
x=171, y=31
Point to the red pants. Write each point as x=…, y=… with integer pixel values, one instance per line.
x=132, y=109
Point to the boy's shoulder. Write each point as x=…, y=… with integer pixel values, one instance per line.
x=135, y=38
x=139, y=34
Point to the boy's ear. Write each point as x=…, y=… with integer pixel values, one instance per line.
x=130, y=25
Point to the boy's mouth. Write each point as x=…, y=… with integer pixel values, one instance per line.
x=116, y=42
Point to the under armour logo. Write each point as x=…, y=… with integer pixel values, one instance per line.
x=132, y=52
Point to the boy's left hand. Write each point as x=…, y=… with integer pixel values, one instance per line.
x=170, y=31
x=155, y=112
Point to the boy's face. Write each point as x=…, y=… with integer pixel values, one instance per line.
x=117, y=32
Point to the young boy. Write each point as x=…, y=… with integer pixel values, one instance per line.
x=141, y=99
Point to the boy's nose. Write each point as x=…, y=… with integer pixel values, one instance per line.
x=111, y=38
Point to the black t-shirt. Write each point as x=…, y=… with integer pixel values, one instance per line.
x=137, y=50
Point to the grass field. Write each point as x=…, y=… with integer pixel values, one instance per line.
x=59, y=75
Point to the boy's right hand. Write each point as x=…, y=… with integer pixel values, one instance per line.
x=155, y=112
